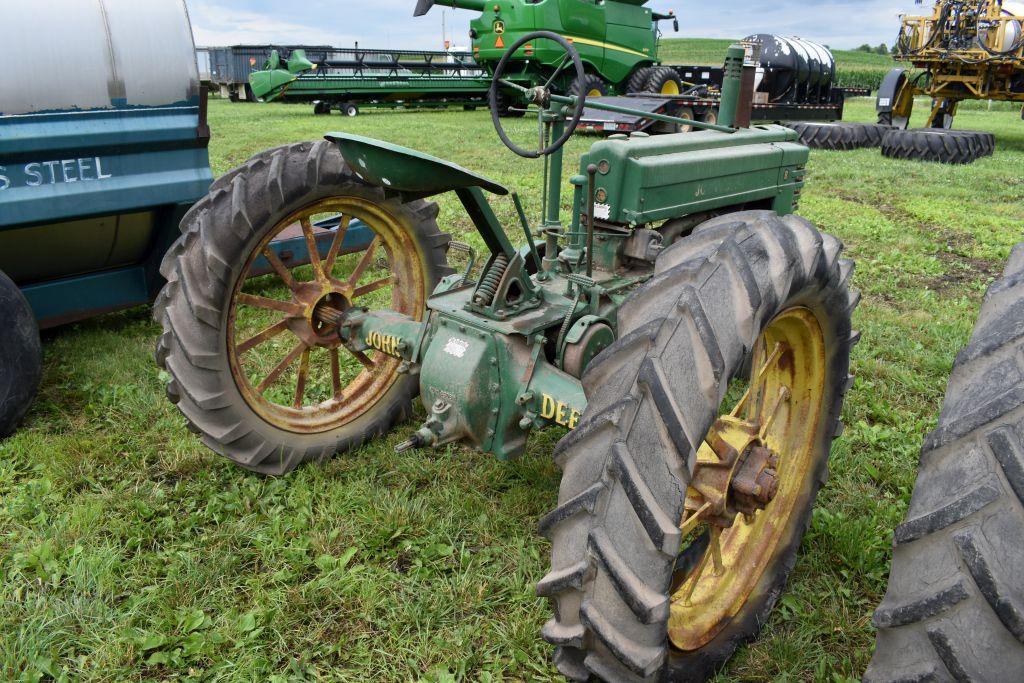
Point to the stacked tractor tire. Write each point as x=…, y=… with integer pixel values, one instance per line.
x=941, y=145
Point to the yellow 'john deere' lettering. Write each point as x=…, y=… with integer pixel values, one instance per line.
x=388, y=343
x=558, y=412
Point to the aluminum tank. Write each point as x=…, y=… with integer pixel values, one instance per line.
x=792, y=67
x=62, y=55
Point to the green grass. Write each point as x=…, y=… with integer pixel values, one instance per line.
x=130, y=552
x=854, y=68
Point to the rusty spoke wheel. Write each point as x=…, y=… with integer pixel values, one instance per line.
x=306, y=380
x=688, y=483
x=267, y=266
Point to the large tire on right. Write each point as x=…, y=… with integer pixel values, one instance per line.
x=954, y=607
x=20, y=355
x=638, y=81
x=652, y=397
x=940, y=145
x=664, y=80
x=838, y=135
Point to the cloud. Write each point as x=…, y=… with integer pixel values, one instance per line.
x=219, y=25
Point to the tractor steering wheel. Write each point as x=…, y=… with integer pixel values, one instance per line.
x=539, y=95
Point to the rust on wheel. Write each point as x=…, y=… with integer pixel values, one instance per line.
x=284, y=351
x=750, y=472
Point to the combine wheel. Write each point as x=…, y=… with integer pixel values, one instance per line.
x=255, y=362
x=637, y=83
x=20, y=355
x=954, y=608
x=664, y=80
x=685, y=489
x=505, y=108
x=838, y=135
x=590, y=86
x=938, y=144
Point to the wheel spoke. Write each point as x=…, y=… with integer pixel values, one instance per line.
x=373, y=286
x=514, y=86
x=715, y=549
x=313, y=250
x=755, y=381
x=289, y=307
x=262, y=336
x=362, y=358
x=336, y=373
x=280, y=368
x=364, y=262
x=339, y=238
x=565, y=61
x=773, y=412
x=694, y=578
x=300, y=382
x=694, y=519
x=279, y=268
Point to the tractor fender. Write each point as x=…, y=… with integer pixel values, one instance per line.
x=890, y=88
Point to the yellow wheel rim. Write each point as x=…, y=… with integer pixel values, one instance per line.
x=594, y=92
x=670, y=87
x=285, y=355
x=783, y=407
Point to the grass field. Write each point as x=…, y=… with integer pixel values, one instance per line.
x=130, y=552
x=854, y=68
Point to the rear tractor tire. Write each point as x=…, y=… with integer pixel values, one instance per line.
x=634, y=593
x=20, y=355
x=638, y=81
x=954, y=607
x=255, y=365
x=838, y=135
x=940, y=145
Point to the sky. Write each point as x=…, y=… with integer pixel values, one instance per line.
x=389, y=24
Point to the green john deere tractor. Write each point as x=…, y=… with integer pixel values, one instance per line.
x=689, y=331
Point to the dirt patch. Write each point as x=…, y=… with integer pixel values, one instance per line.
x=961, y=270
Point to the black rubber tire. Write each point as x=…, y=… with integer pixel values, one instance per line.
x=348, y=109
x=20, y=355
x=591, y=82
x=838, y=135
x=321, y=108
x=638, y=81
x=202, y=268
x=505, y=107
x=940, y=145
x=684, y=334
x=661, y=75
x=954, y=607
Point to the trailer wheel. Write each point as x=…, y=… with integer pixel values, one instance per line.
x=255, y=363
x=938, y=144
x=591, y=86
x=638, y=81
x=637, y=527
x=838, y=135
x=20, y=355
x=954, y=606
x=662, y=127
x=349, y=109
x=709, y=116
x=664, y=80
x=321, y=108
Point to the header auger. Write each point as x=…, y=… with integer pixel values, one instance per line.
x=687, y=482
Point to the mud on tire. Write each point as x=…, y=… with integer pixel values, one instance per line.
x=954, y=607
x=651, y=396
x=202, y=270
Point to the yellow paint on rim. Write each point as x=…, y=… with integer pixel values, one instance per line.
x=670, y=87
x=748, y=548
x=594, y=92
